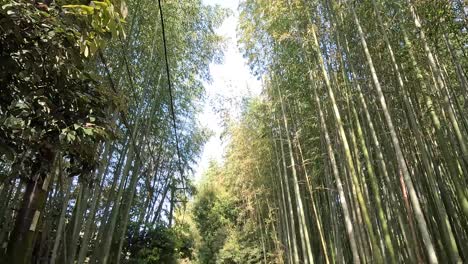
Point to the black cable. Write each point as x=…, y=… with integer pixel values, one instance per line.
x=170, y=90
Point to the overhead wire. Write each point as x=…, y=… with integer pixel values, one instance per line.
x=171, y=94
x=169, y=81
x=170, y=88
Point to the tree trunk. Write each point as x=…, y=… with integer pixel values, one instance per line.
x=20, y=248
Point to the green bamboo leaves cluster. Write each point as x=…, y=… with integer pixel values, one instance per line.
x=368, y=127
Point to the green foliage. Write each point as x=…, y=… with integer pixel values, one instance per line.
x=103, y=19
x=227, y=229
x=241, y=246
x=51, y=99
x=209, y=214
x=160, y=245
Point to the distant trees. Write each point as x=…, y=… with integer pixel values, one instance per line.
x=227, y=226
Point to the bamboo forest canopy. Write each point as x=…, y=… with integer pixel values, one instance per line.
x=356, y=150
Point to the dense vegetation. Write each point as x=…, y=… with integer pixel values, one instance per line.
x=355, y=152
x=97, y=142
x=362, y=129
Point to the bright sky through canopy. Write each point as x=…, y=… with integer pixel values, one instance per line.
x=231, y=81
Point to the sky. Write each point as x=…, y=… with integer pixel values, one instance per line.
x=231, y=82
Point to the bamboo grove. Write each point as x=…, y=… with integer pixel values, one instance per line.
x=356, y=151
x=357, y=148
x=114, y=177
